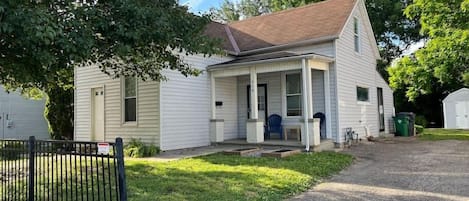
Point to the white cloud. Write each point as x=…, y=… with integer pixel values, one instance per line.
x=413, y=47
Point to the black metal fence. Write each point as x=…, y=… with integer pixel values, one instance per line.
x=61, y=170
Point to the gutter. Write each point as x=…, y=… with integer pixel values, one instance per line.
x=306, y=56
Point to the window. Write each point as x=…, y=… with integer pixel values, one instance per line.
x=130, y=99
x=356, y=34
x=293, y=94
x=362, y=94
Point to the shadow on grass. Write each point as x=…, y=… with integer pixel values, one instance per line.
x=220, y=177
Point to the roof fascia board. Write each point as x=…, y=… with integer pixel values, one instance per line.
x=308, y=56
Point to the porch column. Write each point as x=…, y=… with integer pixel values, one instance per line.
x=216, y=125
x=306, y=80
x=327, y=94
x=254, y=125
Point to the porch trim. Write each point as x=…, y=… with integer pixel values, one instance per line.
x=305, y=56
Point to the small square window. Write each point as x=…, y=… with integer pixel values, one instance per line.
x=362, y=94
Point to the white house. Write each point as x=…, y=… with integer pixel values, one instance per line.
x=456, y=109
x=21, y=117
x=319, y=58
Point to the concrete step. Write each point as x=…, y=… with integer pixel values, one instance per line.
x=325, y=145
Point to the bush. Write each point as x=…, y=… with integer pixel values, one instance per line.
x=420, y=120
x=137, y=149
x=419, y=129
x=12, y=150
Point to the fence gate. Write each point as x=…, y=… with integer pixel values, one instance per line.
x=36, y=170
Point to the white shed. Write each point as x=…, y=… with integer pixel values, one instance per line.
x=21, y=117
x=456, y=109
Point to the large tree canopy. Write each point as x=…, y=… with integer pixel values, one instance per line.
x=393, y=31
x=444, y=61
x=42, y=41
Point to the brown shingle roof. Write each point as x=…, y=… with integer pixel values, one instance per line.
x=312, y=21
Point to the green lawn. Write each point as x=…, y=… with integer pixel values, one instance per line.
x=444, y=134
x=221, y=177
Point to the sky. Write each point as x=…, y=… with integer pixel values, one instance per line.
x=200, y=6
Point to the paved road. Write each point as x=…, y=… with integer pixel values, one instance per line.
x=400, y=169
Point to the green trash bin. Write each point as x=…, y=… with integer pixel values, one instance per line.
x=402, y=125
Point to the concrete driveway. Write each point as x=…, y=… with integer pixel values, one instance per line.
x=400, y=169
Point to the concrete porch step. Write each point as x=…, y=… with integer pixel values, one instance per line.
x=325, y=145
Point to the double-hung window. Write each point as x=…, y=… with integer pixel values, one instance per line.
x=293, y=94
x=356, y=34
x=130, y=99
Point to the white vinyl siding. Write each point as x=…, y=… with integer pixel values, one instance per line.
x=21, y=117
x=359, y=70
x=147, y=129
x=227, y=92
x=185, y=106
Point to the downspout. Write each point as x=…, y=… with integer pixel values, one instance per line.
x=305, y=103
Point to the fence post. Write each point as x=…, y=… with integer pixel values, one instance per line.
x=121, y=169
x=31, y=150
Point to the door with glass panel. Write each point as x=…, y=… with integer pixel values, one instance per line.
x=261, y=101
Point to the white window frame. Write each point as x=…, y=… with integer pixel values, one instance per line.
x=284, y=94
x=123, y=97
x=356, y=94
x=356, y=36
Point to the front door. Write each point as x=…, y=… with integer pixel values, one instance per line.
x=261, y=101
x=462, y=114
x=97, y=109
x=380, y=109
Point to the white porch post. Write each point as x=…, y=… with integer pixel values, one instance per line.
x=254, y=125
x=216, y=125
x=254, y=109
x=327, y=94
x=306, y=106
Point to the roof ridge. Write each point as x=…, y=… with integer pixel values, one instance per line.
x=231, y=38
x=282, y=11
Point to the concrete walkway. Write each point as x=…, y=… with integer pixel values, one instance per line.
x=400, y=169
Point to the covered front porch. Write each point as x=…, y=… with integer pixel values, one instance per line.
x=294, y=87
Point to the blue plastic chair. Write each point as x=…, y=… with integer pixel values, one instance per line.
x=274, y=125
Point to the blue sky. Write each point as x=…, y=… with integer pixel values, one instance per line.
x=197, y=6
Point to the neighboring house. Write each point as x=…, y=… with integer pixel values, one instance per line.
x=456, y=109
x=316, y=58
x=21, y=117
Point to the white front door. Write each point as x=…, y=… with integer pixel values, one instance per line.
x=261, y=102
x=97, y=106
x=462, y=114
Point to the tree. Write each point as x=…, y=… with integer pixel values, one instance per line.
x=444, y=61
x=41, y=42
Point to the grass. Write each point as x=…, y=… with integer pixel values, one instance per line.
x=221, y=177
x=444, y=134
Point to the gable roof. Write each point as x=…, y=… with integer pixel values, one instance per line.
x=314, y=21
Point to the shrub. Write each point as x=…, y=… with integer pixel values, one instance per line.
x=419, y=129
x=420, y=120
x=12, y=150
x=137, y=149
